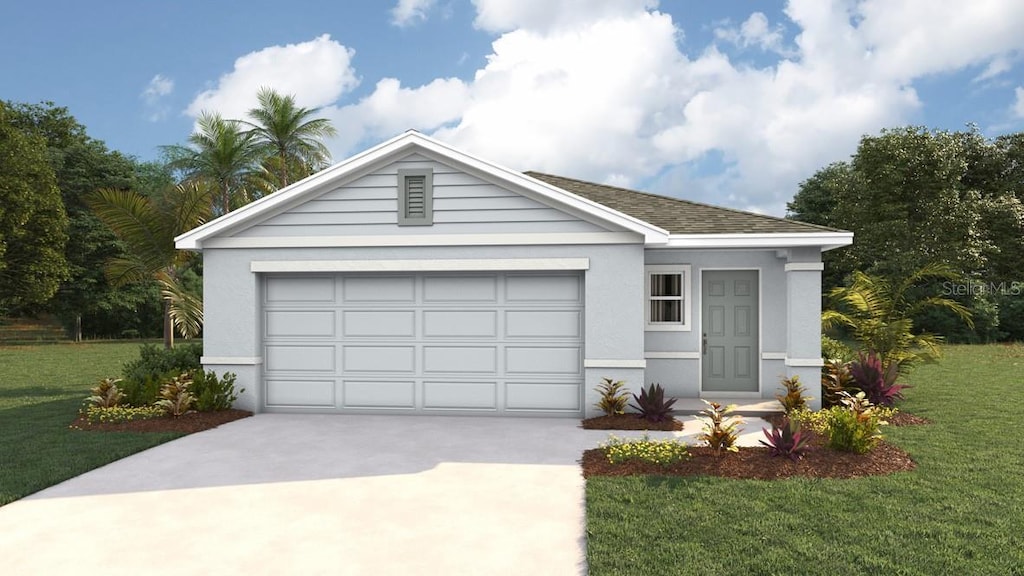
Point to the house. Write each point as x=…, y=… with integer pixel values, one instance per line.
x=416, y=278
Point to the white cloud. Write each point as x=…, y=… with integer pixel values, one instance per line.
x=410, y=12
x=317, y=73
x=153, y=95
x=756, y=32
x=1018, y=103
x=545, y=15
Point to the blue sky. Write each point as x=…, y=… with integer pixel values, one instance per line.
x=729, y=102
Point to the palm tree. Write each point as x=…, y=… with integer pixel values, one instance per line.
x=290, y=141
x=147, y=226
x=222, y=157
x=879, y=314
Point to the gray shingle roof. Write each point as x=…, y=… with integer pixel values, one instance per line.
x=679, y=216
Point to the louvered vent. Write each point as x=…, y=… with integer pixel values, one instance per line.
x=415, y=197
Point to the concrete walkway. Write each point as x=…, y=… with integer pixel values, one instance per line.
x=303, y=494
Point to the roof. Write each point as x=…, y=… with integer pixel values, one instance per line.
x=680, y=216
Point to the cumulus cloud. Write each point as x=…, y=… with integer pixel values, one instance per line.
x=153, y=96
x=317, y=73
x=410, y=12
x=755, y=31
x=1018, y=103
x=545, y=15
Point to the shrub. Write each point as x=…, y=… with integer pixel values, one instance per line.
x=106, y=394
x=212, y=393
x=652, y=405
x=661, y=452
x=832, y=349
x=719, y=432
x=794, y=398
x=175, y=398
x=835, y=378
x=613, y=397
x=787, y=440
x=855, y=426
x=144, y=376
x=116, y=414
x=877, y=383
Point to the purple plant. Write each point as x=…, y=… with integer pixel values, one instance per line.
x=652, y=405
x=786, y=440
x=877, y=382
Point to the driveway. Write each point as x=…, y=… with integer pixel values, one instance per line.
x=304, y=494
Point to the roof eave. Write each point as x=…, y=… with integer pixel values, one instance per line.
x=824, y=240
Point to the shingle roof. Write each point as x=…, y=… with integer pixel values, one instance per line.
x=679, y=216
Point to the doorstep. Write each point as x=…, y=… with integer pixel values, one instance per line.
x=744, y=406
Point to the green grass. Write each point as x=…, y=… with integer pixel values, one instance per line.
x=960, y=512
x=41, y=390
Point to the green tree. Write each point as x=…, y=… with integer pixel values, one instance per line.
x=288, y=138
x=33, y=224
x=148, y=225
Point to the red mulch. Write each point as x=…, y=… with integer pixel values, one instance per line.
x=185, y=424
x=629, y=422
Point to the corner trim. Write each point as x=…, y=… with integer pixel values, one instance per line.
x=672, y=355
x=603, y=363
x=805, y=266
x=805, y=362
x=773, y=356
x=231, y=360
x=506, y=264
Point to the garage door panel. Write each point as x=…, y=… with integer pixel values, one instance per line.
x=460, y=324
x=460, y=395
x=300, y=323
x=300, y=393
x=483, y=289
x=561, y=289
x=460, y=359
x=300, y=289
x=379, y=323
x=542, y=360
x=379, y=358
x=369, y=394
x=297, y=358
x=380, y=289
x=542, y=324
x=542, y=396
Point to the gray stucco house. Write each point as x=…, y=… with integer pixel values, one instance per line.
x=416, y=278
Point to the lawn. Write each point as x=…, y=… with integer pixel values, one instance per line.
x=41, y=390
x=960, y=512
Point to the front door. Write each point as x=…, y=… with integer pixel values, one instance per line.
x=729, y=329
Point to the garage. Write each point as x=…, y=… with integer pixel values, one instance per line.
x=501, y=343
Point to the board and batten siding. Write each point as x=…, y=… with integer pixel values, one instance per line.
x=463, y=204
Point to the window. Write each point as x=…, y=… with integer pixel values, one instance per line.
x=668, y=294
x=415, y=197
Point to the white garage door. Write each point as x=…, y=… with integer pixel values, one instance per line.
x=477, y=343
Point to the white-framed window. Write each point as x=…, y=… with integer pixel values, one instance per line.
x=667, y=305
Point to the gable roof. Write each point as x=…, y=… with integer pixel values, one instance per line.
x=680, y=216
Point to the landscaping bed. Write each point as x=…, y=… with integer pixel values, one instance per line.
x=629, y=422
x=184, y=424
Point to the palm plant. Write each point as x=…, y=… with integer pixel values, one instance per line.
x=147, y=226
x=288, y=139
x=879, y=314
x=222, y=157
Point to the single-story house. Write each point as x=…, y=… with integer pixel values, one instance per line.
x=417, y=278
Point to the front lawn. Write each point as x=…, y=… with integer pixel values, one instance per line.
x=960, y=512
x=41, y=390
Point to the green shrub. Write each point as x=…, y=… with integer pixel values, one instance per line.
x=660, y=452
x=855, y=426
x=175, y=398
x=832, y=349
x=213, y=393
x=116, y=414
x=144, y=376
x=106, y=394
x=718, y=432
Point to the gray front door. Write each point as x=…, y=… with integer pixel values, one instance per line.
x=729, y=318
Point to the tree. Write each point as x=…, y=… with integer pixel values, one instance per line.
x=33, y=224
x=148, y=225
x=288, y=139
x=222, y=158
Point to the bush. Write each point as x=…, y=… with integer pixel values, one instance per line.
x=661, y=452
x=832, y=349
x=853, y=427
x=835, y=378
x=794, y=398
x=878, y=383
x=175, y=398
x=786, y=440
x=212, y=393
x=117, y=414
x=613, y=397
x=652, y=405
x=718, y=433
x=144, y=376
x=106, y=394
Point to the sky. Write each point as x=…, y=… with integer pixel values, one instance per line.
x=729, y=102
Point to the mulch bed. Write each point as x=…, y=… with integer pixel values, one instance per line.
x=185, y=424
x=629, y=422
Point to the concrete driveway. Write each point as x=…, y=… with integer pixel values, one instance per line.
x=304, y=494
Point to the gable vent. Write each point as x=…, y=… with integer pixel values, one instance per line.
x=415, y=198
